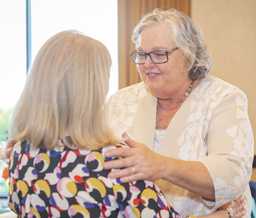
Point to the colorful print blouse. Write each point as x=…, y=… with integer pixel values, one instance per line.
x=66, y=182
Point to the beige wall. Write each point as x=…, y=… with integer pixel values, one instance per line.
x=229, y=28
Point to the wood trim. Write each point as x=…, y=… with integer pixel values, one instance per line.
x=254, y=162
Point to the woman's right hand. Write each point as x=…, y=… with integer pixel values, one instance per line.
x=136, y=161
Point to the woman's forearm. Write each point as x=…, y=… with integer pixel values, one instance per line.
x=140, y=162
x=191, y=175
x=217, y=214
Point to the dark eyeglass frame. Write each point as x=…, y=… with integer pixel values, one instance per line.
x=166, y=52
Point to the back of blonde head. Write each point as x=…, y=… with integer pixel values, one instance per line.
x=65, y=93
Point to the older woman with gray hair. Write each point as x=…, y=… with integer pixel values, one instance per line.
x=187, y=130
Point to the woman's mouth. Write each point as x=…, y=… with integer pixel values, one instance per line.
x=152, y=74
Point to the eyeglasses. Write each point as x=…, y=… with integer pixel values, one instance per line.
x=159, y=56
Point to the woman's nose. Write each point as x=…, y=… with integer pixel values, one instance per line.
x=148, y=61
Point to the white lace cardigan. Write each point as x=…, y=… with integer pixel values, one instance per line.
x=212, y=126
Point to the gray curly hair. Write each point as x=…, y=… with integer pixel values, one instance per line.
x=185, y=35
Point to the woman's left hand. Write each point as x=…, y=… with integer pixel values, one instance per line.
x=135, y=162
x=237, y=208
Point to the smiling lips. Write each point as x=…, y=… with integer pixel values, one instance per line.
x=152, y=74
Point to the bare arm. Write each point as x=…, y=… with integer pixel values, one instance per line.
x=139, y=162
x=182, y=173
x=217, y=214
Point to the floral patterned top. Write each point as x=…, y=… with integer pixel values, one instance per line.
x=71, y=182
x=211, y=126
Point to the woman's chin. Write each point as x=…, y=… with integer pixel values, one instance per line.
x=154, y=89
x=152, y=81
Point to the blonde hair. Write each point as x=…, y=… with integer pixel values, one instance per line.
x=65, y=94
x=185, y=35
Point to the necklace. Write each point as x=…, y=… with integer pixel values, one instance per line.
x=165, y=112
x=175, y=103
x=185, y=95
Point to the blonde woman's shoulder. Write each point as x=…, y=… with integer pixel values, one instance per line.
x=122, y=106
x=135, y=90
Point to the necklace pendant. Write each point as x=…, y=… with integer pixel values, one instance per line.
x=189, y=90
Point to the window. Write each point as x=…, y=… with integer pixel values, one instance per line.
x=13, y=58
x=95, y=18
